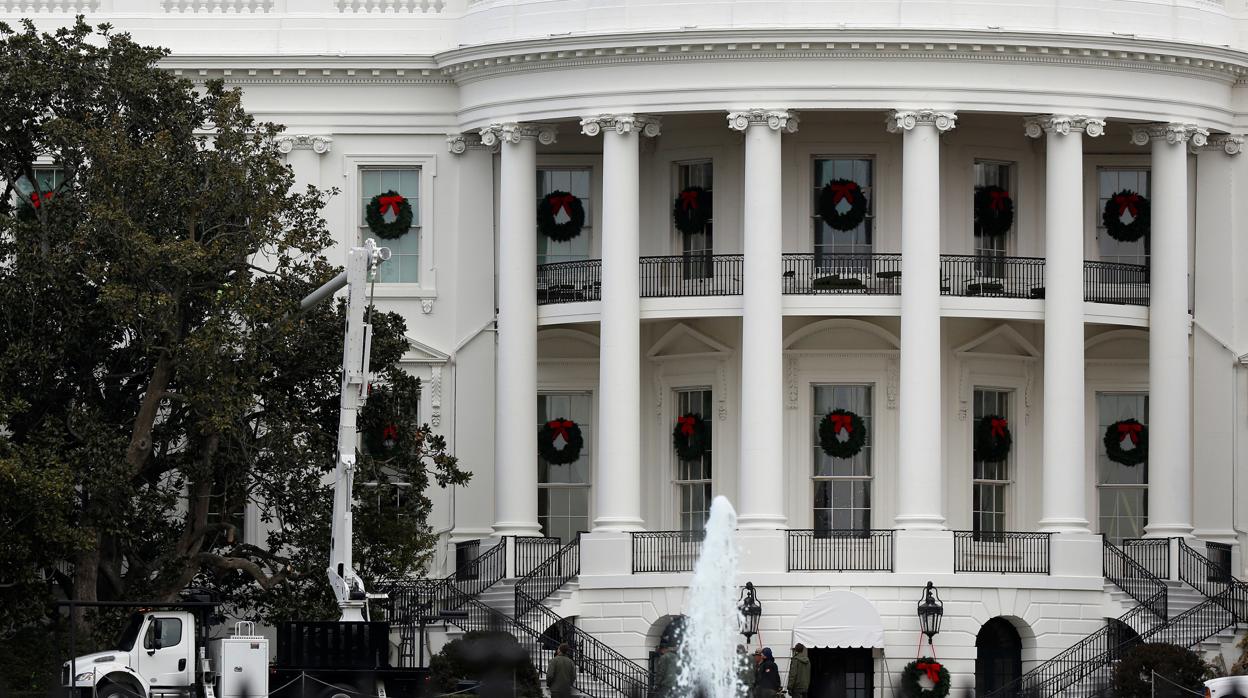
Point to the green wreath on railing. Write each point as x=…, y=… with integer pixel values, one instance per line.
x=933, y=671
x=1120, y=431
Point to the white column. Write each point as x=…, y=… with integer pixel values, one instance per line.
x=515, y=395
x=1063, y=502
x=1169, y=354
x=921, y=455
x=617, y=478
x=761, y=500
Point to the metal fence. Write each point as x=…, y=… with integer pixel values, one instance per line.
x=991, y=276
x=679, y=276
x=532, y=551
x=840, y=550
x=1001, y=552
x=569, y=282
x=1153, y=554
x=868, y=274
x=666, y=551
x=1113, y=282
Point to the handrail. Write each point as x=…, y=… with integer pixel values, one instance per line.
x=1115, y=282
x=1213, y=581
x=548, y=576
x=531, y=551
x=839, y=550
x=409, y=599
x=1134, y=579
x=866, y=273
x=687, y=275
x=1005, y=552
x=1152, y=553
x=665, y=551
x=990, y=276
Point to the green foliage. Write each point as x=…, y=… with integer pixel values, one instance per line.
x=486, y=656
x=155, y=376
x=1133, y=675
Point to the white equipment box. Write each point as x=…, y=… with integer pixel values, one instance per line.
x=242, y=664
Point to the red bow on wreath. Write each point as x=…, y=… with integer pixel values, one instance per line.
x=688, y=200
x=34, y=198
x=997, y=200
x=1128, y=202
x=390, y=432
x=1130, y=430
x=841, y=421
x=561, y=427
x=932, y=669
x=686, y=426
x=843, y=191
x=560, y=203
x=998, y=427
x=389, y=203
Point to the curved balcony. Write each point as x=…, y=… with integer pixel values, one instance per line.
x=684, y=276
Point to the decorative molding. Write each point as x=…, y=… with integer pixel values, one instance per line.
x=659, y=394
x=317, y=144
x=1173, y=133
x=426, y=305
x=623, y=124
x=784, y=120
x=513, y=132
x=964, y=389
x=722, y=394
x=1063, y=125
x=1029, y=384
x=790, y=381
x=892, y=371
x=435, y=396
x=907, y=120
x=1225, y=142
x=460, y=143
x=417, y=7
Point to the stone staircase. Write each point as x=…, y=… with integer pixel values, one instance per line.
x=1181, y=598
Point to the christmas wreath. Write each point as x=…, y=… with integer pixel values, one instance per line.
x=1120, y=431
x=389, y=202
x=380, y=421
x=560, y=216
x=994, y=211
x=560, y=429
x=692, y=209
x=992, y=438
x=925, y=668
x=833, y=194
x=29, y=211
x=1119, y=205
x=690, y=437
x=830, y=427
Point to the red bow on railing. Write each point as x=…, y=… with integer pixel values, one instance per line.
x=1128, y=202
x=390, y=203
x=841, y=421
x=997, y=199
x=998, y=427
x=561, y=427
x=1130, y=430
x=559, y=203
x=932, y=669
x=34, y=198
x=688, y=200
x=686, y=425
x=843, y=191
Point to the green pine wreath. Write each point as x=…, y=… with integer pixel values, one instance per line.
x=835, y=192
x=910, y=686
x=1121, y=203
x=388, y=202
x=994, y=211
x=1126, y=429
x=832, y=424
x=549, y=432
x=692, y=210
x=381, y=421
x=992, y=438
x=548, y=210
x=691, y=436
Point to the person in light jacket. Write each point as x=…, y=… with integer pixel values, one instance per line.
x=561, y=674
x=799, y=672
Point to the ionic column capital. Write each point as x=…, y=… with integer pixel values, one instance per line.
x=783, y=120
x=460, y=143
x=623, y=124
x=1173, y=133
x=1225, y=142
x=1063, y=125
x=905, y=120
x=513, y=132
x=317, y=144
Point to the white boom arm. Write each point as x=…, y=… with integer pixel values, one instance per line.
x=362, y=263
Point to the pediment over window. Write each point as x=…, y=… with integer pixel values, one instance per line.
x=1001, y=341
x=566, y=344
x=421, y=353
x=841, y=334
x=684, y=342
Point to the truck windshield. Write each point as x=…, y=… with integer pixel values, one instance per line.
x=125, y=641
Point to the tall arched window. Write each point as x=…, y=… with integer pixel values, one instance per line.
x=998, y=656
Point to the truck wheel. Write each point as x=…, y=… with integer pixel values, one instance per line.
x=119, y=690
x=336, y=691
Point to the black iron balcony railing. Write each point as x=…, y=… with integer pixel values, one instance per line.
x=983, y=276
x=1001, y=552
x=1153, y=554
x=666, y=551
x=867, y=274
x=532, y=551
x=840, y=550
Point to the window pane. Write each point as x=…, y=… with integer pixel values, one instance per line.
x=693, y=477
x=842, y=486
x=828, y=240
x=1112, y=181
x=575, y=181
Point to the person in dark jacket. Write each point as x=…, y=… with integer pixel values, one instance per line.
x=799, y=672
x=666, y=673
x=767, y=681
x=561, y=674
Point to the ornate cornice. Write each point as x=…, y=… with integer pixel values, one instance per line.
x=317, y=144
x=1063, y=125
x=783, y=120
x=622, y=124
x=1173, y=133
x=460, y=143
x=1225, y=142
x=906, y=120
x=513, y=132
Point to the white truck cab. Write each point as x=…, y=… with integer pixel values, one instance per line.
x=1227, y=687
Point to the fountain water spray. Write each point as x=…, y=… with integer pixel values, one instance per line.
x=708, y=644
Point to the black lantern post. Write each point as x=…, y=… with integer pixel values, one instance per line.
x=931, y=609
x=750, y=610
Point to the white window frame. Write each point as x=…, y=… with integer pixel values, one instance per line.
x=1009, y=239
x=1008, y=498
x=426, y=163
x=871, y=479
x=590, y=450
x=678, y=483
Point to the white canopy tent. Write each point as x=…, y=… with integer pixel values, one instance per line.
x=838, y=619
